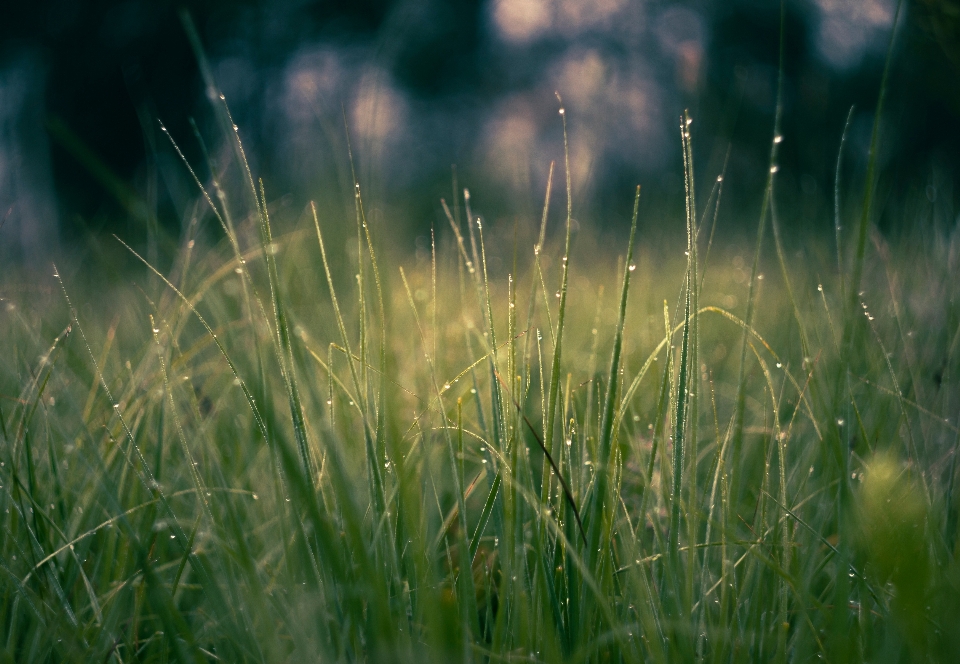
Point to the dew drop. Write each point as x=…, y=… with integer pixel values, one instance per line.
x=632, y=267
x=562, y=111
x=839, y=421
x=774, y=168
x=778, y=139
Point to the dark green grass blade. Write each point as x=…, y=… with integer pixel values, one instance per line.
x=599, y=499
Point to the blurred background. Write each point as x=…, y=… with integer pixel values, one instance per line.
x=426, y=85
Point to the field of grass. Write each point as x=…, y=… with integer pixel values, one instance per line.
x=525, y=444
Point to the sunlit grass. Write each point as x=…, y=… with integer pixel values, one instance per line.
x=320, y=446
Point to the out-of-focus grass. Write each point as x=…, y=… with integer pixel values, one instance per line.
x=317, y=446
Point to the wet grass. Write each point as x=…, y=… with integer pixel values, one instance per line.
x=521, y=446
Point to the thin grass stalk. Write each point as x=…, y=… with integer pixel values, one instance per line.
x=550, y=421
x=285, y=351
x=599, y=500
x=693, y=263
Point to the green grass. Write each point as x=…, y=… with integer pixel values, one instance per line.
x=281, y=450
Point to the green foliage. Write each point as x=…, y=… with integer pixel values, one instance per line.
x=286, y=452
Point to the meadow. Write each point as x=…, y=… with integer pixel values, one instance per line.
x=530, y=442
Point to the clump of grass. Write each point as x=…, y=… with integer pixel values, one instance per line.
x=286, y=453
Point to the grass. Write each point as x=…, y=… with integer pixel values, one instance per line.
x=281, y=450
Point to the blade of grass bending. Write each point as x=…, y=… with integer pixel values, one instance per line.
x=553, y=464
x=484, y=516
x=145, y=475
x=598, y=498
